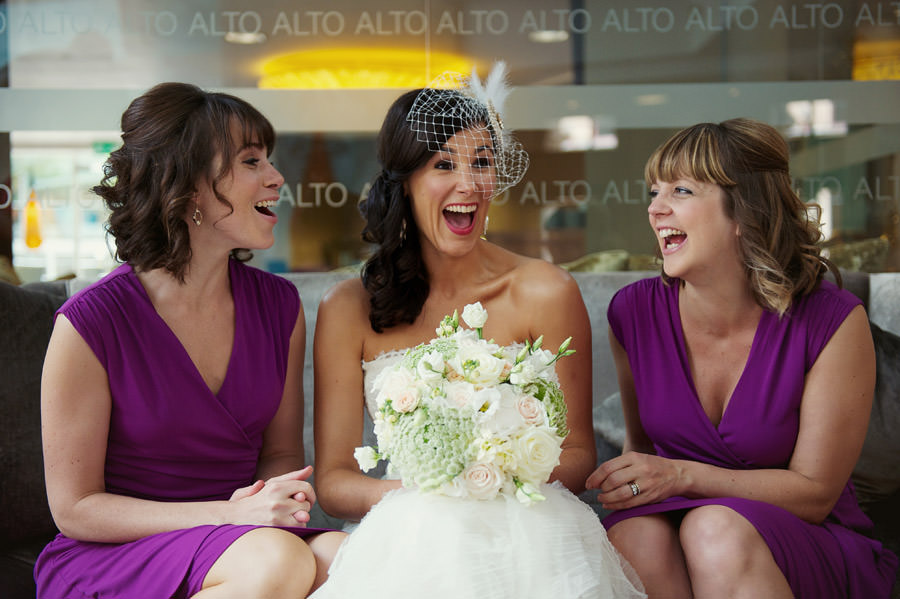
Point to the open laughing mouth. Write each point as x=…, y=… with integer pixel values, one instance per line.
x=460, y=218
x=263, y=207
x=672, y=238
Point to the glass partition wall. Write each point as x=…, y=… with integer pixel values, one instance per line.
x=599, y=84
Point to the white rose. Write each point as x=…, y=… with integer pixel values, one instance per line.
x=406, y=400
x=461, y=394
x=365, y=457
x=479, y=366
x=501, y=417
x=531, y=410
x=391, y=383
x=537, y=453
x=474, y=315
x=482, y=480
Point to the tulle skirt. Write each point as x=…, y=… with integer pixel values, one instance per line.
x=414, y=545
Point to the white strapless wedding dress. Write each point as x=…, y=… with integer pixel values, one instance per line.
x=414, y=545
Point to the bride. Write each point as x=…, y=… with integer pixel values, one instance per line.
x=444, y=156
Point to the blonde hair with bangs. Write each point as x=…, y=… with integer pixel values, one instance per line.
x=779, y=234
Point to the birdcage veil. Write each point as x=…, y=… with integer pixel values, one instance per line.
x=468, y=111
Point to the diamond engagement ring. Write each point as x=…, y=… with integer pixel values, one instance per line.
x=635, y=489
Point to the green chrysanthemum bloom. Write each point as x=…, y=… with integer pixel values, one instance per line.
x=552, y=396
x=431, y=446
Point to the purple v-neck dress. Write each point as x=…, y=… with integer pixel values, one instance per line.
x=758, y=430
x=170, y=437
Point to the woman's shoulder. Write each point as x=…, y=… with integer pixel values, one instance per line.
x=266, y=291
x=114, y=288
x=825, y=298
x=349, y=297
x=823, y=310
x=538, y=289
x=537, y=276
x=639, y=301
x=648, y=287
x=258, y=278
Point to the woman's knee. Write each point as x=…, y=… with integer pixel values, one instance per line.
x=718, y=538
x=650, y=539
x=325, y=545
x=650, y=544
x=270, y=561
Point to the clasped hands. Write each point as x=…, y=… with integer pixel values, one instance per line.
x=283, y=500
x=655, y=478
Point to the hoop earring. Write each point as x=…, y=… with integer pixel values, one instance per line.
x=197, y=217
x=484, y=232
x=402, y=231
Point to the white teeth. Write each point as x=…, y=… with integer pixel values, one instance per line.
x=461, y=208
x=267, y=203
x=663, y=233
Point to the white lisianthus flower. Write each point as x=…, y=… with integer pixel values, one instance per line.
x=537, y=452
x=482, y=480
x=531, y=367
x=430, y=369
x=523, y=373
x=474, y=315
x=531, y=410
x=486, y=401
x=366, y=458
x=527, y=493
x=383, y=431
x=489, y=448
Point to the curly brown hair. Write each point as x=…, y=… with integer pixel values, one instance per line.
x=171, y=136
x=395, y=274
x=779, y=233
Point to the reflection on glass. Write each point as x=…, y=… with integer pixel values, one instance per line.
x=600, y=83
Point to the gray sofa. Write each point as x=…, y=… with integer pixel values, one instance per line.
x=25, y=320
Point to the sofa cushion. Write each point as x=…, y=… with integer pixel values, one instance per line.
x=876, y=475
x=26, y=317
x=609, y=421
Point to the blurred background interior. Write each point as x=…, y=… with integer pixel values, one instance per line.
x=599, y=84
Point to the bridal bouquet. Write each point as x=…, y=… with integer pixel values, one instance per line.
x=465, y=417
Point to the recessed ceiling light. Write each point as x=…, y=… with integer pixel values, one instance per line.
x=238, y=37
x=547, y=36
x=650, y=99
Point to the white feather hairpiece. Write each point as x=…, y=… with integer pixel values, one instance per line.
x=453, y=102
x=493, y=92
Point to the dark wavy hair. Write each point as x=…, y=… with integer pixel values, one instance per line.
x=779, y=233
x=395, y=274
x=171, y=136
